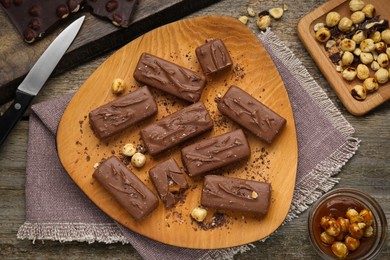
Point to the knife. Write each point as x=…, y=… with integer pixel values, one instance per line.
x=37, y=77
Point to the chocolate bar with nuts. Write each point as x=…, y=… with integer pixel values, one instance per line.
x=169, y=77
x=118, y=11
x=34, y=18
x=216, y=152
x=131, y=193
x=176, y=128
x=226, y=193
x=213, y=57
x=122, y=113
x=251, y=114
x=169, y=181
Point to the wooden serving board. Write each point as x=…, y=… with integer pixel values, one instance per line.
x=317, y=51
x=253, y=71
x=96, y=37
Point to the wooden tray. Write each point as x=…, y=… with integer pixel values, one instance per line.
x=253, y=71
x=317, y=51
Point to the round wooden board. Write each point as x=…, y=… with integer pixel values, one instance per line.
x=253, y=71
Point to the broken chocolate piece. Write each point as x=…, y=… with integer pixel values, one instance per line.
x=251, y=114
x=213, y=57
x=133, y=195
x=216, y=152
x=169, y=181
x=122, y=113
x=176, y=128
x=118, y=11
x=234, y=194
x=169, y=77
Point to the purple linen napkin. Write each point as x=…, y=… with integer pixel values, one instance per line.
x=56, y=209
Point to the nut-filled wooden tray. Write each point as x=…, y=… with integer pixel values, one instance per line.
x=318, y=53
x=253, y=70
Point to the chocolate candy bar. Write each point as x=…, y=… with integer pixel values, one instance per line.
x=118, y=11
x=234, y=194
x=33, y=18
x=176, y=128
x=169, y=181
x=248, y=112
x=121, y=113
x=169, y=77
x=126, y=188
x=213, y=57
x=215, y=152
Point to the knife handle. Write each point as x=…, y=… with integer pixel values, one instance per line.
x=13, y=114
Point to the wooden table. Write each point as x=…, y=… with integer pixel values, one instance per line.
x=368, y=170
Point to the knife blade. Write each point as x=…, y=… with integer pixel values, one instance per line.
x=37, y=77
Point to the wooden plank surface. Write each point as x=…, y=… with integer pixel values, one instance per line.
x=368, y=170
x=96, y=37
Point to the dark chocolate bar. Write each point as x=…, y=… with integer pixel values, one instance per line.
x=169, y=77
x=118, y=11
x=216, y=152
x=122, y=113
x=169, y=181
x=234, y=194
x=126, y=188
x=213, y=56
x=33, y=18
x=176, y=128
x=251, y=114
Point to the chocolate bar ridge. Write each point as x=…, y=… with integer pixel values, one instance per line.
x=122, y=113
x=176, y=128
x=213, y=56
x=169, y=182
x=251, y=114
x=134, y=196
x=169, y=77
x=216, y=152
x=226, y=193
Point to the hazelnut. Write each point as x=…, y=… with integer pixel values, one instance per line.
x=383, y=60
x=359, y=36
x=359, y=93
x=375, y=66
x=345, y=24
x=367, y=45
x=356, y=230
x=244, y=19
x=353, y=216
x=318, y=26
x=129, y=149
x=263, y=22
x=332, y=19
x=352, y=243
x=326, y=238
x=367, y=216
x=349, y=73
x=340, y=249
x=333, y=229
x=324, y=222
x=276, y=13
x=199, y=214
x=369, y=10
x=356, y=5
x=347, y=45
x=376, y=36
x=251, y=12
x=362, y=72
x=368, y=231
x=323, y=34
x=358, y=17
x=371, y=84
x=380, y=47
x=388, y=51
x=347, y=58
x=344, y=224
x=366, y=58
x=382, y=75
x=385, y=35
x=138, y=160
x=118, y=86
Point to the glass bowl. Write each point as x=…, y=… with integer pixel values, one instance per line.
x=336, y=203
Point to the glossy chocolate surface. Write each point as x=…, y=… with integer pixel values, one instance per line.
x=169, y=77
x=176, y=128
x=169, y=181
x=122, y=113
x=126, y=188
x=251, y=114
x=213, y=56
x=216, y=152
x=234, y=194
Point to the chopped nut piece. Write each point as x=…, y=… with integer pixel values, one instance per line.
x=96, y=165
x=357, y=52
x=129, y=149
x=375, y=66
x=318, y=26
x=285, y=7
x=251, y=12
x=330, y=44
x=254, y=195
x=118, y=86
x=244, y=19
x=276, y=12
x=199, y=214
x=264, y=21
x=138, y=160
